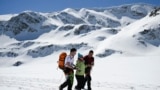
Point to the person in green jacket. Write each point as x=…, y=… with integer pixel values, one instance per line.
x=80, y=72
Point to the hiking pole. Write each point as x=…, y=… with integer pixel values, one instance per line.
x=61, y=77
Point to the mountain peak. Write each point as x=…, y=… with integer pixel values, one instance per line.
x=34, y=23
x=155, y=12
x=69, y=10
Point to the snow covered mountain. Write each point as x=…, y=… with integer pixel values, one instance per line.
x=125, y=39
x=38, y=34
x=30, y=25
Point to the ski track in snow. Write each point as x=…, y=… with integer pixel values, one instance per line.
x=26, y=83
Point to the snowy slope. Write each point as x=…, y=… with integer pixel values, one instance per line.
x=6, y=17
x=142, y=35
x=125, y=40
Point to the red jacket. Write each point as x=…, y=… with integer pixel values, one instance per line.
x=89, y=60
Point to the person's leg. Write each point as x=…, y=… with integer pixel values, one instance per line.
x=77, y=81
x=88, y=77
x=63, y=85
x=66, y=72
x=89, y=82
x=85, y=80
x=70, y=83
x=81, y=82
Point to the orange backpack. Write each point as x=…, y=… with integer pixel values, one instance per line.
x=61, y=60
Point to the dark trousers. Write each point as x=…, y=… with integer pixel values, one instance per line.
x=88, y=77
x=69, y=79
x=80, y=82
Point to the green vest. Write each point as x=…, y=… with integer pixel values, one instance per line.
x=80, y=67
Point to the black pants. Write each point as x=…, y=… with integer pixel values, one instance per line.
x=69, y=79
x=88, y=77
x=80, y=82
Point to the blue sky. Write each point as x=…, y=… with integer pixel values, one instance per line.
x=17, y=6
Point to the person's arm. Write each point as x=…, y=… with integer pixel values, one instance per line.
x=68, y=65
x=92, y=63
x=77, y=65
x=85, y=60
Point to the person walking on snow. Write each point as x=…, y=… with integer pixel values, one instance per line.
x=89, y=62
x=68, y=70
x=80, y=71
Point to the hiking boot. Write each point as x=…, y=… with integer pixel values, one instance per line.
x=89, y=89
x=60, y=88
x=77, y=88
x=84, y=89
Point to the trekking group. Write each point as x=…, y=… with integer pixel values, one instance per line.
x=83, y=69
